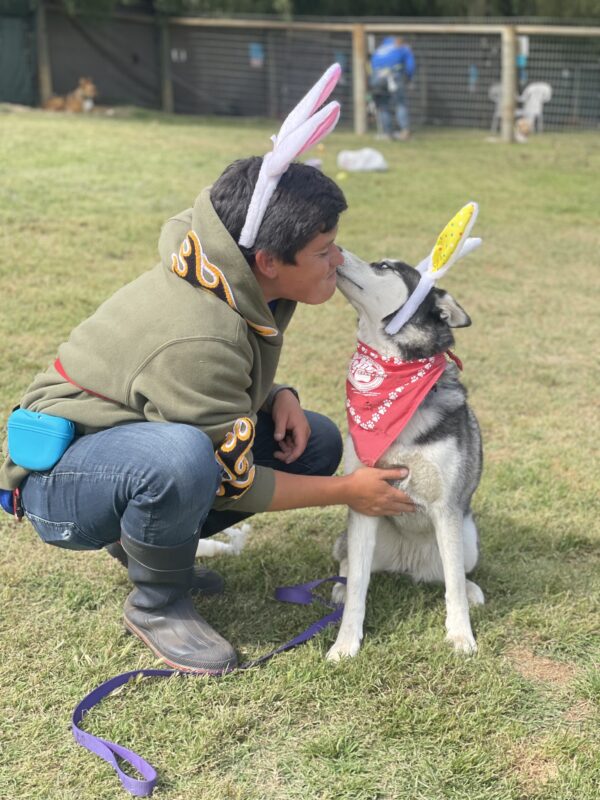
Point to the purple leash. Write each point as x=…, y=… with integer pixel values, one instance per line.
x=112, y=753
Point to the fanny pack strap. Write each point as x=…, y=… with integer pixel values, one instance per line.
x=112, y=753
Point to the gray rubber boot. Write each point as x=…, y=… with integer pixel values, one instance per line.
x=161, y=613
x=204, y=581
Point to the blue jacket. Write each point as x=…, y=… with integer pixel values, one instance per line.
x=390, y=54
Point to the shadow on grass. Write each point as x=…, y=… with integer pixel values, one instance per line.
x=524, y=572
x=535, y=581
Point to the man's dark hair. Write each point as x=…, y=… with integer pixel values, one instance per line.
x=304, y=204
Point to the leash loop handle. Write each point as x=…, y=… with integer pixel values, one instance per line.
x=112, y=753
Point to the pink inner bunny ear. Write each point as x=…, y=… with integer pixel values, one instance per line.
x=311, y=101
x=300, y=139
x=324, y=128
x=331, y=77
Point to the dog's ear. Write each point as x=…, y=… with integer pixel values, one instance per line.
x=450, y=312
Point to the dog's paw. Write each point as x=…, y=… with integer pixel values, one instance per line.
x=474, y=594
x=207, y=548
x=462, y=642
x=338, y=593
x=344, y=647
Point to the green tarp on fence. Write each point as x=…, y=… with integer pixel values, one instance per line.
x=17, y=52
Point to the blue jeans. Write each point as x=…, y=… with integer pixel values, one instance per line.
x=154, y=481
x=390, y=107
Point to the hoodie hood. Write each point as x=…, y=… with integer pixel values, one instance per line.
x=196, y=246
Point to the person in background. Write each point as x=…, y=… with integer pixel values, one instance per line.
x=392, y=70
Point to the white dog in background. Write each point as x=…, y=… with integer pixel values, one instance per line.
x=207, y=548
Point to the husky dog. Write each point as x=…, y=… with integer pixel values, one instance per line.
x=440, y=446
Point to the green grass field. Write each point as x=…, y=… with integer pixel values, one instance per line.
x=82, y=201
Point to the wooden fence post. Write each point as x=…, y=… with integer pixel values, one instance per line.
x=359, y=79
x=509, y=82
x=43, y=55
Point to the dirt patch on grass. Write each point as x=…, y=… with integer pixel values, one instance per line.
x=533, y=768
x=540, y=668
x=580, y=712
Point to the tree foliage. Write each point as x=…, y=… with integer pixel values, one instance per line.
x=352, y=8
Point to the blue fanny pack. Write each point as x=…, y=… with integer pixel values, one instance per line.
x=37, y=441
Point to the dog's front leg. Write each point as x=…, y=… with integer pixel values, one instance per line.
x=362, y=533
x=449, y=535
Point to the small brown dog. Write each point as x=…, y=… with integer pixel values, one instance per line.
x=77, y=101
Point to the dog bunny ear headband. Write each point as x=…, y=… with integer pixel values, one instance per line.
x=301, y=129
x=452, y=243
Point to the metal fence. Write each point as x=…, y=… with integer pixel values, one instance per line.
x=467, y=75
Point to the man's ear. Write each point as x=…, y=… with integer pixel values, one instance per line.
x=266, y=264
x=452, y=314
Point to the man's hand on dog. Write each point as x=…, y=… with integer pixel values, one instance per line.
x=371, y=493
x=292, y=430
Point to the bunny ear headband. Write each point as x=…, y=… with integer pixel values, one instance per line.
x=452, y=243
x=301, y=129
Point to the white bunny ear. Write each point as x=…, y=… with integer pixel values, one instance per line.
x=301, y=129
x=470, y=244
x=311, y=101
x=302, y=138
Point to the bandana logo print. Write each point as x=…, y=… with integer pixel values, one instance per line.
x=382, y=395
x=365, y=374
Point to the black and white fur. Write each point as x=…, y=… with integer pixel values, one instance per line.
x=440, y=446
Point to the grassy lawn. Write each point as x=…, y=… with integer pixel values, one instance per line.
x=82, y=201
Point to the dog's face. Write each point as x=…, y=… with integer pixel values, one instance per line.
x=523, y=126
x=87, y=88
x=379, y=289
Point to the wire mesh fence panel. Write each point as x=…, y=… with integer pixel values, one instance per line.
x=262, y=71
x=248, y=68
x=119, y=55
x=299, y=58
x=252, y=72
x=453, y=78
x=571, y=67
x=213, y=72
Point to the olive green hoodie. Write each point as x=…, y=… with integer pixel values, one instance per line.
x=192, y=340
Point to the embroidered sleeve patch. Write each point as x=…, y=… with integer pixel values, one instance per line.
x=232, y=455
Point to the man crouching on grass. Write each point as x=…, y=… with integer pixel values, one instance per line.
x=180, y=430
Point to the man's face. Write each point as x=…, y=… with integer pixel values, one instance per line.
x=312, y=278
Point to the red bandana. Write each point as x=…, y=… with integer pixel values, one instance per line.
x=383, y=393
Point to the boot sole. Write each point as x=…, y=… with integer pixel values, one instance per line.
x=130, y=628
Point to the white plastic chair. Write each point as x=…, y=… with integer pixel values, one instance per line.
x=495, y=95
x=533, y=98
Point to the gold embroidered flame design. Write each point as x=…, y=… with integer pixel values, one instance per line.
x=232, y=455
x=192, y=265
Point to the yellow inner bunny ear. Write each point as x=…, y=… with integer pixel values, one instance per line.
x=450, y=237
